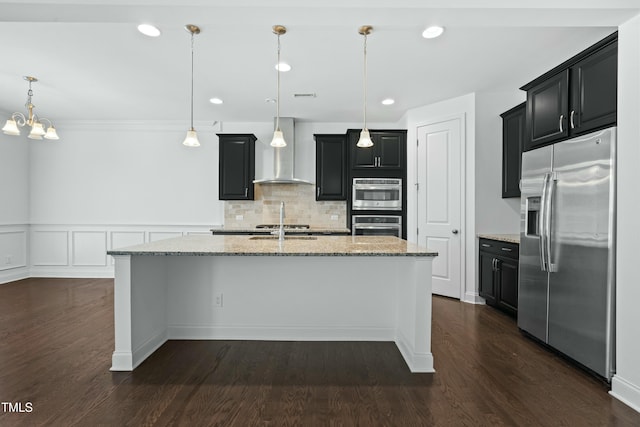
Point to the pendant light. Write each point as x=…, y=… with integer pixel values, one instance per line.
x=192, y=137
x=365, y=138
x=278, y=138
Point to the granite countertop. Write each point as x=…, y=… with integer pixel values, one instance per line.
x=510, y=238
x=203, y=245
x=310, y=230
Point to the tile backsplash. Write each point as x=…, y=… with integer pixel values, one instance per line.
x=301, y=207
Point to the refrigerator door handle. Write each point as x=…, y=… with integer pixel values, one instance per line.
x=553, y=178
x=542, y=223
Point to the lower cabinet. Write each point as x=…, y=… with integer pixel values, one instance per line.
x=498, y=271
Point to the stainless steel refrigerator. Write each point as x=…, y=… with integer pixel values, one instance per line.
x=567, y=248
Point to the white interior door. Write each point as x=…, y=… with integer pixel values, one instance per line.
x=439, y=201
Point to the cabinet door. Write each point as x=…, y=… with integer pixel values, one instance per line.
x=547, y=110
x=331, y=167
x=513, y=134
x=487, y=277
x=594, y=88
x=236, y=166
x=507, y=277
x=361, y=157
x=390, y=148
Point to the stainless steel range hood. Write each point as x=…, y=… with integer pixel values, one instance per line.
x=283, y=158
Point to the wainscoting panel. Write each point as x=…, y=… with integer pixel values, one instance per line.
x=14, y=252
x=89, y=248
x=50, y=248
x=78, y=250
x=161, y=235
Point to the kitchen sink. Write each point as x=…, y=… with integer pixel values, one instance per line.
x=285, y=238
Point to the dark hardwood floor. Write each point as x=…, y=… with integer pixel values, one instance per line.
x=56, y=340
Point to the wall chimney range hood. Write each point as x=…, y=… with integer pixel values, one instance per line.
x=283, y=158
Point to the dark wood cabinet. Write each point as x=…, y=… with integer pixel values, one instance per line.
x=331, y=167
x=236, y=166
x=577, y=97
x=513, y=134
x=388, y=151
x=498, y=274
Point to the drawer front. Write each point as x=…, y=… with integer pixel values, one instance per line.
x=510, y=250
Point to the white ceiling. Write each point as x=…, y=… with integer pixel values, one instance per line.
x=94, y=65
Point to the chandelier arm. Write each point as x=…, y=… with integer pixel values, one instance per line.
x=19, y=118
x=41, y=119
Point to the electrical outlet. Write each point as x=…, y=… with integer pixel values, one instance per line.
x=334, y=217
x=239, y=217
x=217, y=300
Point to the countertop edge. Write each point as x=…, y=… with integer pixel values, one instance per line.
x=305, y=254
x=509, y=238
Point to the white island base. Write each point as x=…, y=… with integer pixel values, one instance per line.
x=297, y=298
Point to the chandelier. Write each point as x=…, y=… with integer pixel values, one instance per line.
x=18, y=120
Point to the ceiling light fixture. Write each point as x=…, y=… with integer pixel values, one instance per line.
x=216, y=101
x=149, y=30
x=192, y=137
x=365, y=138
x=433, y=32
x=278, y=138
x=19, y=120
x=388, y=101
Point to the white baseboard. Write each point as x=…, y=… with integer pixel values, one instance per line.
x=625, y=392
x=71, y=273
x=262, y=333
x=12, y=275
x=473, y=298
x=417, y=362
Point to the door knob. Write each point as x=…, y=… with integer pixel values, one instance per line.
x=454, y=231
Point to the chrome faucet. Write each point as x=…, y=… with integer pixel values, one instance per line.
x=280, y=230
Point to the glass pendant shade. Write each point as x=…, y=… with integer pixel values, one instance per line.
x=36, y=131
x=192, y=139
x=51, y=133
x=278, y=139
x=11, y=128
x=365, y=139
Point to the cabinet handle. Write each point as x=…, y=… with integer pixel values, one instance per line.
x=486, y=245
x=318, y=192
x=507, y=249
x=493, y=265
x=246, y=192
x=573, y=126
x=561, y=120
x=497, y=265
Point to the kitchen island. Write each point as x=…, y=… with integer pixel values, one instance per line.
x=321, y=288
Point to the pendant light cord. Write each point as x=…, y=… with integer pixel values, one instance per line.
x=278, y=88
x=365, y=81
x=192, y=80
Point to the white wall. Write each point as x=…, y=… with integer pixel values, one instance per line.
x=14, y=205
x=626, y=382
x=465, y=106
x=493, y=213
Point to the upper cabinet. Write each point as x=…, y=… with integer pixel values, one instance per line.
x=513, y=134
x=331, y=167
x=574, y=98
x=236, y=166
x=388, y=151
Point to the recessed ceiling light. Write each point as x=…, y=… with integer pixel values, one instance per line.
x=270, y=100
x=149, y=30
x=388, y=101
x=215, y=101
x=432, y=32
x=283, y=66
